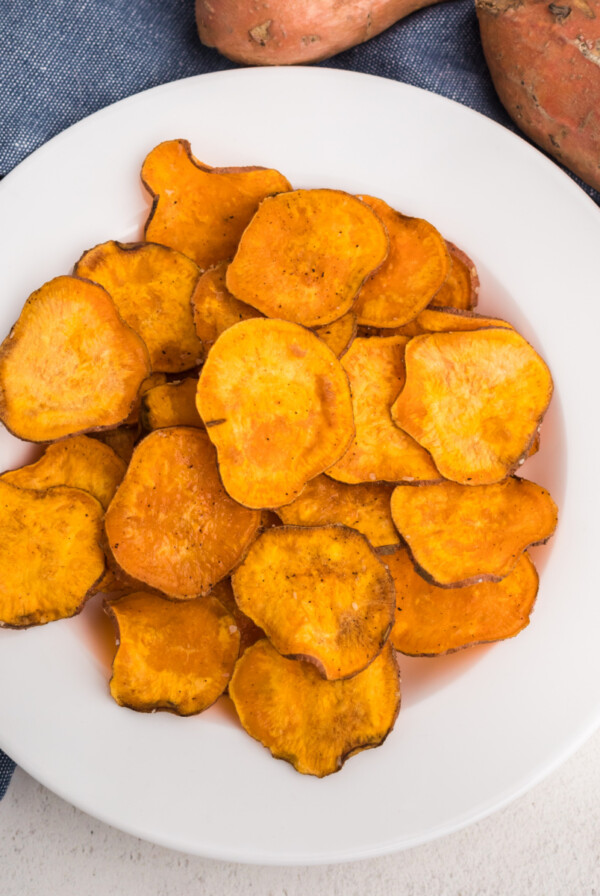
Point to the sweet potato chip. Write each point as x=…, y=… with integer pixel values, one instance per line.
x=79, y=462
x=311, y=723
x=474, y=400
x=464, y=534
x=438, y=320
x=50, y=554
x=276, y=403
x=460, y=289
x=364, y=507
x=417, y=265
x=172, y=404
x=305, y=255
x=198, y=210
x=173, y=655
x=320, y=594
x=380, y=451
x=431, y=620
x=250, y=633
x=70, y=364
x=339, y=334
x=171, y=524
x=155, y=379
x=122, y=440
x=215, y=309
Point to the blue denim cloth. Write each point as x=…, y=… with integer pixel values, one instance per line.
x=63, y=59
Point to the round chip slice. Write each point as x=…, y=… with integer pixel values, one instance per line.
x=50, y=554
x=173, y=655
x=431, y=620
x=305, y=255
x=474, y=400
x=464, y=534
x=276, y=403
x=171, y=523
x=70, y=364
x=311, y=723
x=320, y=594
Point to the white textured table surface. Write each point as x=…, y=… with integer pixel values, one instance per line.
x=547, y=843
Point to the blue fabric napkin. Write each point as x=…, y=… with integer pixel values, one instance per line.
x=61, y=60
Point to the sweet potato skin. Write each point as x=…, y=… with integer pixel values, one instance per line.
x=289, y=32
x=544, y=60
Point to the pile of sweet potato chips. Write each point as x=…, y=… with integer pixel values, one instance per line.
x=282, y=445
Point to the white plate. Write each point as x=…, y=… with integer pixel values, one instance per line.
x=477, y=728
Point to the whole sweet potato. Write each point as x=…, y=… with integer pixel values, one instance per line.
x=289, y=32
x=544, y=59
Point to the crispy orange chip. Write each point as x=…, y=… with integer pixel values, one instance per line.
x=417, y=265
x=462, y=534
x=122, y=440
x=202, y=211
x=79, y=462
x=215, y=309
x=431, y=620
x=474, y=400
x=320, y=594
x=339, y=334
x=70, y=364
x=171, y=524
x=380, y=451
x=50, y=554
x=460, y=289
x=155, y=379
x=173, y=655
x=305, y=255
x=364, y=507
x=311, y=723
x=276, y=403
x=152, y=287
x=172, y=404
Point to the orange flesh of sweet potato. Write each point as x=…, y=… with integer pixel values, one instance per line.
x=544, y=60
x=171, y=524
x=172, y=404
x=461, y=534
x=250, y=633
x=79, y=462
x=438, y=320
x=155, y=379
x=339, y=334
x=364, y=507
x=460, y=289
x=50, y=554
x=122, y=440
x=320, y=594
x=215, y=309
x=151, y=286
x=278, y=32
x=276, y=403
x=380, y=451
x=305, y=255
x=431, y=620
x=70, y=363
x=474, y=400
x=312, y=723
x=417, y=264
x=198, y=210
x=173, y=655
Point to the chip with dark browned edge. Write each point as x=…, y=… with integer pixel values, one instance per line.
x=460, y=289
x=50, y=554
x=312, y=723
x=464, y=534
x=172, y=655
x=431, y=620
x=320, y=594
